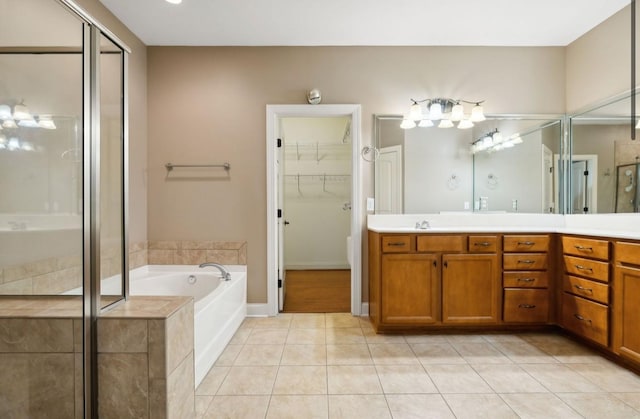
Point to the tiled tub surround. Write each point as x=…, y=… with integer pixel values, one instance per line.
x=145, y=358
x=194, y=252
x=57, y=275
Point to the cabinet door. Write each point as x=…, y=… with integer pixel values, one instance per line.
x=410, y=289
x=627, y=314
x=470, y=289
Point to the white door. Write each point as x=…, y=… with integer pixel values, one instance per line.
x=548, y=202
x=388, y=181
x=279, y=172
x=579, y=180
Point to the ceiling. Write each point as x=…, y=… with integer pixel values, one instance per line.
x=362, y=22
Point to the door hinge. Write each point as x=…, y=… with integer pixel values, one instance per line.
x=279, y=213
x=279, y=142
x=279, y=283
x=586, y=173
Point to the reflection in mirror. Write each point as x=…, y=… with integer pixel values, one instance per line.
x=433, y=170
x=604, y=160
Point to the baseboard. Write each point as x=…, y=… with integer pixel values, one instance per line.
x=258, y=310
x=364, y=310
x=317, y=267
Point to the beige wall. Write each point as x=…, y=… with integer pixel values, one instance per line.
x=137, y=117
x=598, y=63
x=207, y=105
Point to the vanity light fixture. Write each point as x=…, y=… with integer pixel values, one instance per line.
x=494, y=141
x=21, y=117
x=174, y=1
x=445, y=110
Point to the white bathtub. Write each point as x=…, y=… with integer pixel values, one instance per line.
x=219, y=306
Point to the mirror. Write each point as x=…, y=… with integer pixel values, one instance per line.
x=605, y=162
x=434, y=170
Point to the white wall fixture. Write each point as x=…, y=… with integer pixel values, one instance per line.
x=445, y=110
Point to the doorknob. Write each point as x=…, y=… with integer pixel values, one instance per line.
x=286, y=222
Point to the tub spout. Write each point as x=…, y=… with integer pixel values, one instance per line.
x=225, y=273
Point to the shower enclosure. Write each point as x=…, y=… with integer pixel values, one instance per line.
x=63, y=154
x=627, y=188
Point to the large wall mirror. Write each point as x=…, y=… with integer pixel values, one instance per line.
x=507, y=163
x=605, y=161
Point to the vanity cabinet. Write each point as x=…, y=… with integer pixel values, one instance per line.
x=525, y=278
x=626, y=318
x=433, y=280
x=585, y=288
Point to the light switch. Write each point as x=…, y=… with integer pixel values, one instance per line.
x=371, y=204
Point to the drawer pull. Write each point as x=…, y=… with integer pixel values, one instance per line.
x=527, y=261
x=482, y=244
x=526, y=279
x=396, y=244
x=526, y=306
x=582, y=319
x=527, y=243
x=580, y=288
x=583, y=248
x=583, y=268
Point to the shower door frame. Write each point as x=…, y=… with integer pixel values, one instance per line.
x=91, y=293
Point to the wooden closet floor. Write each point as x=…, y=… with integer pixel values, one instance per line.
x=318, y=291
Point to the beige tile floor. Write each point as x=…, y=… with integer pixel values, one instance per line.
x=334, y=366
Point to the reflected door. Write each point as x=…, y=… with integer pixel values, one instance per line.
x=579, y=181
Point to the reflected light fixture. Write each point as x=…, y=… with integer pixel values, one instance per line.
x=494, y=141
x=21, y=117
x=174, y=1
x=445, y=110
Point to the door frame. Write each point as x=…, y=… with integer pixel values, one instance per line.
x=274, y=113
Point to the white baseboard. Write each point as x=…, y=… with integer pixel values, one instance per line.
x=258, y=310
x=365, y=310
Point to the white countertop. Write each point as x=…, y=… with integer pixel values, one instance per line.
x=624, y=226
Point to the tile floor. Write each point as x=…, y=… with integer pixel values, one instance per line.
x=334, y=366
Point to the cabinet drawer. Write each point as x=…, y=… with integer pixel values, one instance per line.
x=532, y=243
x=429, y=243
x=483, y=244
x=526, y=306
x=586, y=288
x=628, y=253
x=589, y=248
x=524, y=261
x=587, y=268
x=396, y=244
x=586, y=318
x=525, y=279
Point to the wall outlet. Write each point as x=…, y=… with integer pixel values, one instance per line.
x=466, y=205
x=371, y=204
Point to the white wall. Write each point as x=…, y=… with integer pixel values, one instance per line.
x=516, y=174
x=317, y=187
x=432, y=156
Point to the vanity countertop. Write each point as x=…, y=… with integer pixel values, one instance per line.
x=622, y=226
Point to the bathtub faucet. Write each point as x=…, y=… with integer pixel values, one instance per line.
x=225, y=273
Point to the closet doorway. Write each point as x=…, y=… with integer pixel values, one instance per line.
x=316, y=211
x=313, y=207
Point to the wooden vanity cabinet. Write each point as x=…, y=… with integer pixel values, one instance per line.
x=525, y=278
x=585, y=288
x=432, y=280
x=626, y=316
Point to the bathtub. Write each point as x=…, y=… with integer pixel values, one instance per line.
x=219, y=306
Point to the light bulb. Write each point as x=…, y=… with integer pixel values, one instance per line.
x=21, y=112
x=435, y=111
x=477, y=114
x=465, y=124
x=13, y=144
x=407, y=124
x=424, y=123
x=497, y=137
x=5, y=112
x=9, y=123
x=415, y=112
x=457, y=112
x=445, y=123
x=45, y=121
x=29, y=123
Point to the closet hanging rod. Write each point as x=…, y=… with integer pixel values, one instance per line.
x=171, y=166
